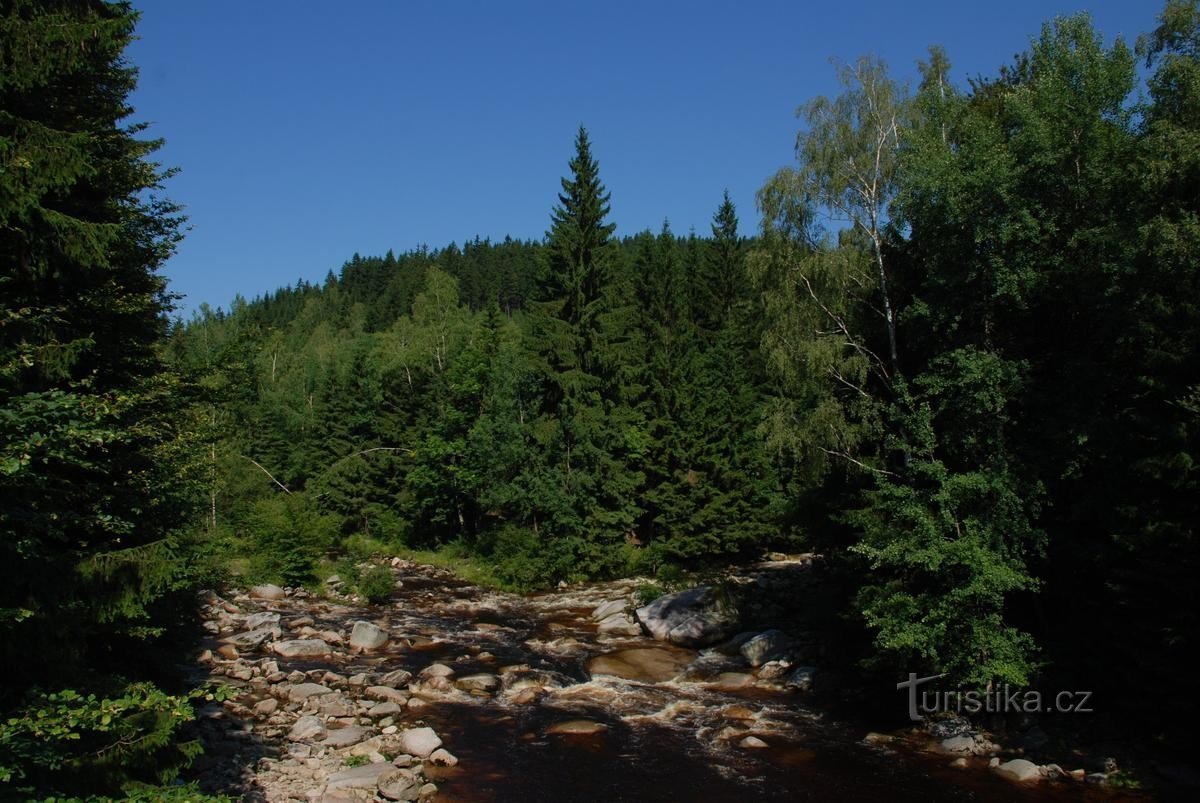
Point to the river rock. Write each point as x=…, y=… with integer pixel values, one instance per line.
x=733, y=680
x=302, y=691
x=607, y=609
x=264, y=708
x=386, y=694
x=577, y=727
x=399, y=784
x=388, y=709
x=752, y=742
x=365, y=777
x=267, y=591
x=691, y=618
x=252, y=639
x=436, y=671
x=396, y=678
x=770, y=645
x=442, y=758
x=619, y=624
x=261, y=619
x=647, y=664
x=302, y=648
x=344, y=737
x=958, y=744
x=368, y=636
x=488, y=684
x=419, y=742
x=308, y=729
x=802, y=678
x=1019, y=769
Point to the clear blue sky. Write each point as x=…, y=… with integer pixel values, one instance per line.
x=307, y=131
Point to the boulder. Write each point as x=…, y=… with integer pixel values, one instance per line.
x=385, y=694
x=252, y=639
x=691, y=618
x=267, y=591
x=364, y=777
x=368, y=636
x=770, y=645
x=647, y=664
x=802, y=678
x=388, y=709
x=957, y=744
x=607, y=609
x=619, y=624
x=399, y=784
x=344, y=737
x=302, y=648
x=396, y=678
x=1019, y=769
x=484, y=683
x=261, y=619
x=302, y=691
x=308, y=729
x=752, y=742
x=436, y=671
x=419, y=742
x=442, y=758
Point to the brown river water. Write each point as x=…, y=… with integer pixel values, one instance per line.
x=669, y=732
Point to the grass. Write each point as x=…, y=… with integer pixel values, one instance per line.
x=468, y=568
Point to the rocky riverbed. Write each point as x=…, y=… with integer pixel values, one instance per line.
x=454, y=692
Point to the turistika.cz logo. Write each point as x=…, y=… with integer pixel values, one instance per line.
x=1001, y=700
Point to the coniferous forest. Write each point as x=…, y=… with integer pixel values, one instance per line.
x=959, y=358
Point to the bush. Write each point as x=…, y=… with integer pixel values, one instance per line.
x=68, y=741
x=377, y=585
x=287, y=538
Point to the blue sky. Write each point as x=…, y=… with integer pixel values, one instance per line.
x=308, y=131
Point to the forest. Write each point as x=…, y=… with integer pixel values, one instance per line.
x=958, y=357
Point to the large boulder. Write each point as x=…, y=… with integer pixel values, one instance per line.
x=367, y=636
x=691, y=618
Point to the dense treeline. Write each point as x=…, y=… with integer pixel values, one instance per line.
x=960, y=358
x=587, y=409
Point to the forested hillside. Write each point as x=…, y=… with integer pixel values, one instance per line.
x=959, y=355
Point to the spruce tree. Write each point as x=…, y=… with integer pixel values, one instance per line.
x=587, y=462
x=91, y=447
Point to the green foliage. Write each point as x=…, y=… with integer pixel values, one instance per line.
x=98, y=466
x=70, y=741
x=288, y=537
x=377, y=585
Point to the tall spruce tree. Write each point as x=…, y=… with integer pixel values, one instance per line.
x=590, y=484
x=91, y=447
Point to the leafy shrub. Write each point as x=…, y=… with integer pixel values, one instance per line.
x=377, y=585
x=645, y=593
x=68, y=741
x=287, y=538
